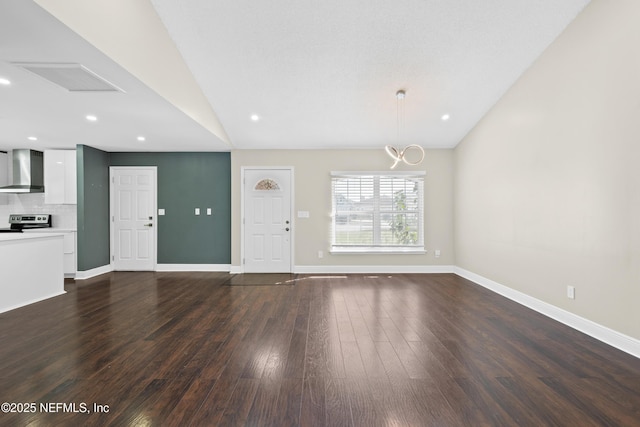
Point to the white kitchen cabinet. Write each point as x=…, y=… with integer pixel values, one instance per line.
x=69, y=245
x=60, y=177
x=70, y=258
x=23, y=283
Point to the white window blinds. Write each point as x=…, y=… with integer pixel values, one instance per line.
x=377, y=211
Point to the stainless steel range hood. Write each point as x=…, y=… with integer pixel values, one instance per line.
x=28, y=172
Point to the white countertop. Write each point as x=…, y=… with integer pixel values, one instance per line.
x=50, y=230
x=12, y=237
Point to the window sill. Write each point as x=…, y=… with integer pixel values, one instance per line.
x=364, y=250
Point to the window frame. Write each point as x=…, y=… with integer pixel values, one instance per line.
x=377, y=213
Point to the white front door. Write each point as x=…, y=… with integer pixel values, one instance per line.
x=133, y=221
x=267, y=220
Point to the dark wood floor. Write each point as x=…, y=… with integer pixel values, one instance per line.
x=180, y=349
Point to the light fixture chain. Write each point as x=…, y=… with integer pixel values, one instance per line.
x=402, y=117
x=397, y=119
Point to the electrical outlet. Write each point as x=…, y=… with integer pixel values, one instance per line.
x=320, y=254
x=436, y=253
x=571, y=292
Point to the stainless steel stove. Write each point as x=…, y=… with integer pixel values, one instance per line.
x=19, y=222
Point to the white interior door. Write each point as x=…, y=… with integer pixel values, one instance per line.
x=133, y=225
x=267, y=220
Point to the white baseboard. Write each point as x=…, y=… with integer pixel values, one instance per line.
x=602, y=333
x=88, y=274
x=82, y=275
x=22, y=304
x=361, y=269
x=374, y=269
x=193, y=267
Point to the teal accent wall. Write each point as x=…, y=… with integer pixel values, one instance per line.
x=93, y=207
x=187, y=181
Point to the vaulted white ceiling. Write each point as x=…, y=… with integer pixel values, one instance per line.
x=317, y=74
x=325, y=73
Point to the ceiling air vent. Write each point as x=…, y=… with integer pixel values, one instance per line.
x=73, y=77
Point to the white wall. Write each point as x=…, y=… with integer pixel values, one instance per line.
x=312, y=184
x=547, y=186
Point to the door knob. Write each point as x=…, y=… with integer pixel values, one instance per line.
x=148, y=225
x=286, y=229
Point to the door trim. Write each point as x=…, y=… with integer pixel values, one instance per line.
x=291, y=210
x=154, y=249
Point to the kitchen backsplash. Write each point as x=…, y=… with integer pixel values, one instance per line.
x=64, y=216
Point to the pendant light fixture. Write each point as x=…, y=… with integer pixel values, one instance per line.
x=396, y=154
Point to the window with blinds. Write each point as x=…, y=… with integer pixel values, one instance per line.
x=377, y=212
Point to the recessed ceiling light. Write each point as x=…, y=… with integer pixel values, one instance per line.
x=141, y=138
x=91, y=118
x=255, y=117
x=4, y=81
x=445, y=117
x=32, y=138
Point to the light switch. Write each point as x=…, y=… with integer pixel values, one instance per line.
x=303, y=214
x=208, y=211
x=160, y=212
x=197, y=211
